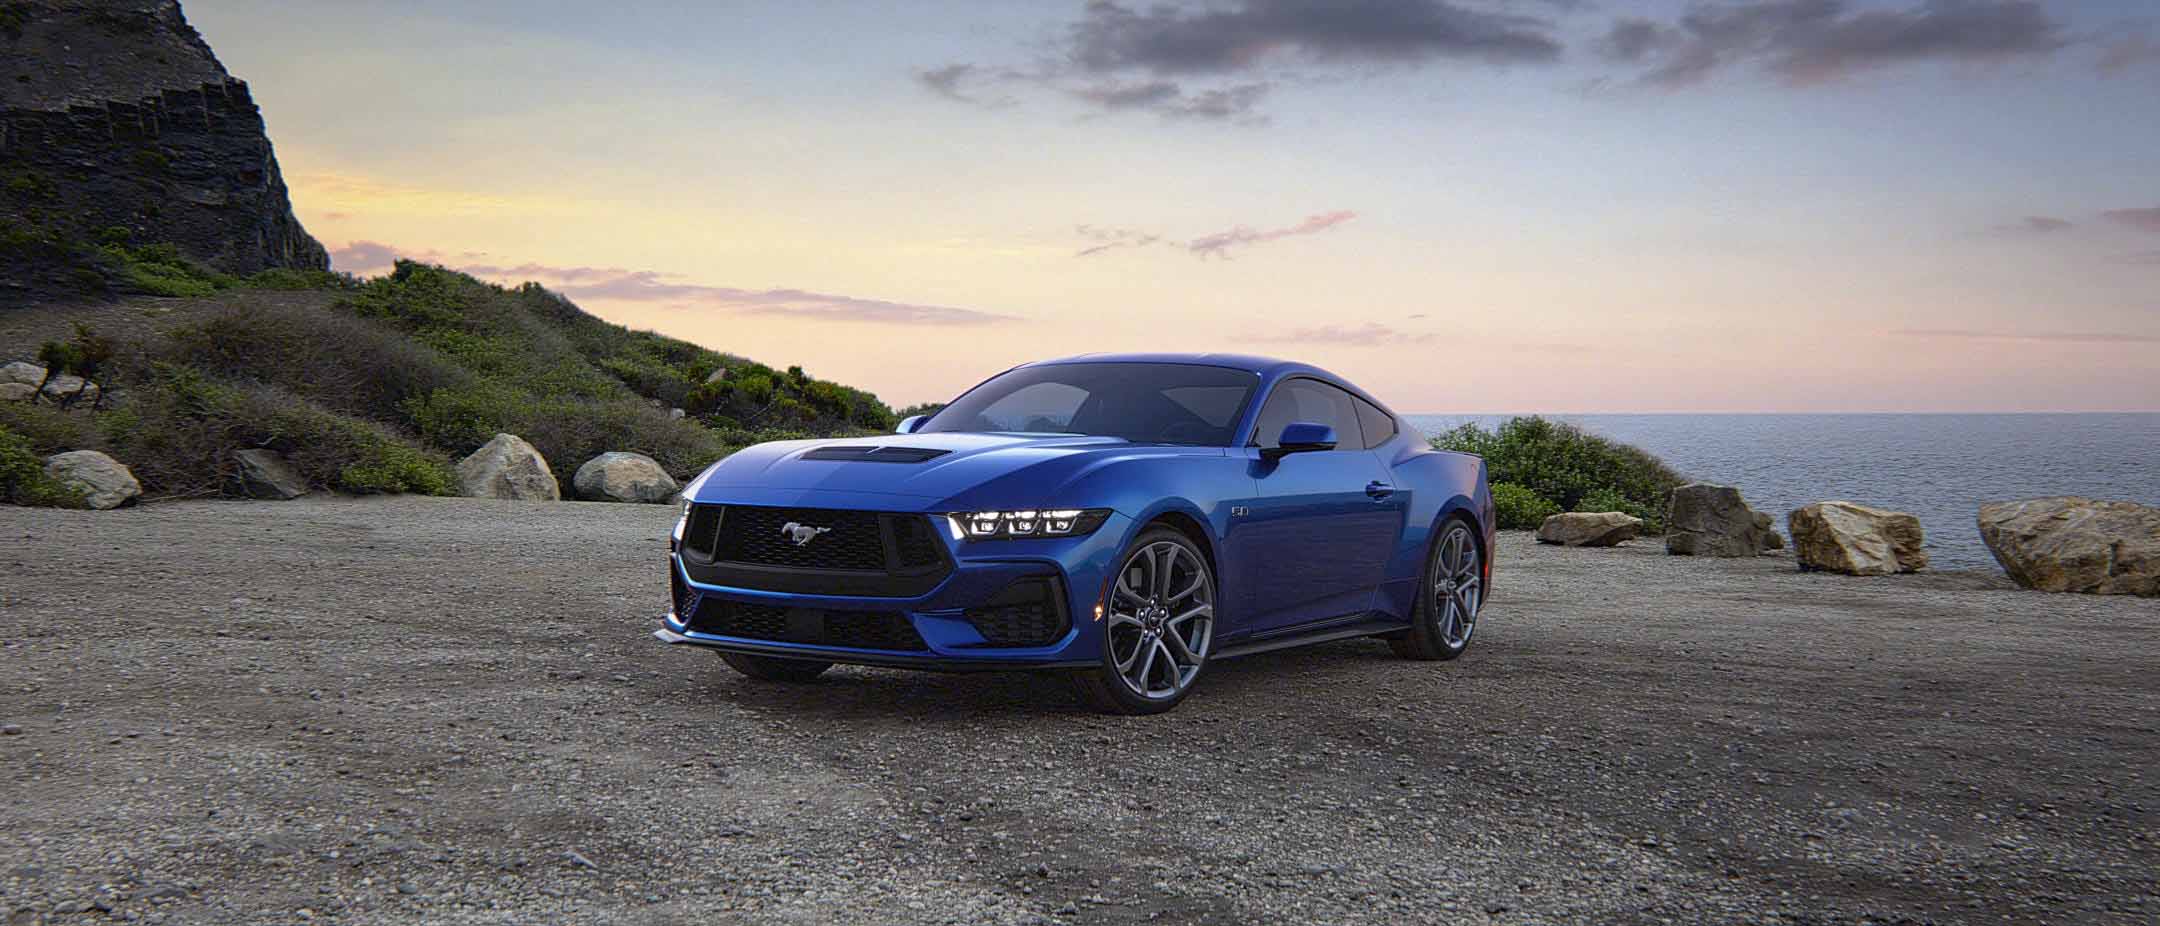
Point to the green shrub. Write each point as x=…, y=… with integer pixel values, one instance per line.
x=23, y=480
x=286, y=278
x=160, y=270
x=1564, y=465
x=183, y=427
x=1520, y=509
x=352, y=365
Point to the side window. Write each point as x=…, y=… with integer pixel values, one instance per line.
x=1379, y=425
x=1313, y=401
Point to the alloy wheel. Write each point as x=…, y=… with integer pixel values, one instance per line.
x=1161, y=619
x=1457, y=587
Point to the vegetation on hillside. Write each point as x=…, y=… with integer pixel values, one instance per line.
x=1540, y=467
x=405, y=373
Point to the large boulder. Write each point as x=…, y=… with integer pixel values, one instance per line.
x=103, y=481
x=266, y=474
x=1589, y=529
x=17, y=392
x=508, y=467
x=624, y=477
x=1713, y=520
x=1856, y=540
x=2076, y=545
x=24, y=372
x=64, y=387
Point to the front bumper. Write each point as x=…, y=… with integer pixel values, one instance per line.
x=981, y=571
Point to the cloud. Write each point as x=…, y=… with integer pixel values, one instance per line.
x=619, y=284
x=955, y=82
x=2140, y=219
x=1169, y=100
x=1112, y=37
x=1218, y=61
x=2034, y=225
x=1370, y=334
x=1110, y=239
x=1221, y=243
x=2129, y=51
x=1809, y=42
x=2098, y=337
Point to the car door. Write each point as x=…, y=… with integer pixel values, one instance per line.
x=1315, y=541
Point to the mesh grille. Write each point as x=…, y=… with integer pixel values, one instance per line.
x=1027, y=614
x=853, y=540
x=913, y=541
x=702, y=531
x=685, y=597
x=887, y=630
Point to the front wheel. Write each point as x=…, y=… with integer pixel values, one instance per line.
x=1157, y=627
x=1447, y=606
x=771, y=669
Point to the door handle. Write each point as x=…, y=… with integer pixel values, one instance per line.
x=1379, y=490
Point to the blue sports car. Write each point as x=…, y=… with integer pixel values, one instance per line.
x=1126, y=519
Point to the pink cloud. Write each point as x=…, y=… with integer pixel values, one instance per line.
x=1220, y=243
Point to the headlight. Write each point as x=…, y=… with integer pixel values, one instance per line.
x=1025, y=523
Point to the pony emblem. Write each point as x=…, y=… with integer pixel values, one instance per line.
x=801, y=534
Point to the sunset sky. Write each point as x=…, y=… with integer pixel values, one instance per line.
x=1465, y=206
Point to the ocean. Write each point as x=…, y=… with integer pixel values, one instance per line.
x=1939, y=467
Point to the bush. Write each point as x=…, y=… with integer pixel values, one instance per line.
x=180, y=433
x=160, y=270
x=1520, y=509
x=23, y=480
x=1565, y=465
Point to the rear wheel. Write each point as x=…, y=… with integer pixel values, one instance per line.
x=1158, y=625
x=771, y=669
x=1449, y=598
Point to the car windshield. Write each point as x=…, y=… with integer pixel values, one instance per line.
x=1146, y=403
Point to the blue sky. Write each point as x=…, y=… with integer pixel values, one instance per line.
x=1760, y=205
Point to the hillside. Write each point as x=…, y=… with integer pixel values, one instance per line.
x=123, y=141
x=379, y=386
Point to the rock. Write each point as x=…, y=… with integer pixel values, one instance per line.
x=624, y=477
x=1856, y=540
x=105, y=483
x=1770, y=538
x=719, y=375
x=2076, y=545
x=676, y=414
x=1589, y=529
x=266, y=474
x=22, y=371
x=17, y=392
x=1712, y=520
x=64, y=387
x=508, y=467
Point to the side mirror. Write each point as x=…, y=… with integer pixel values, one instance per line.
x=1300, y=437
x=910, y=423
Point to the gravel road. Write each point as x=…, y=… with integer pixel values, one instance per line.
x=419, y=710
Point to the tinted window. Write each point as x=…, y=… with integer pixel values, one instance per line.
x=1309, y=401
x=1152, y=403
x=1379, y=425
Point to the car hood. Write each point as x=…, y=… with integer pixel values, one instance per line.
x=969, y=469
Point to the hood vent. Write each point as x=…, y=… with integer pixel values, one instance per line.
x=876, y=454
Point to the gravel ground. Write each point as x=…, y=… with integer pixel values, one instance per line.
x=446, y=711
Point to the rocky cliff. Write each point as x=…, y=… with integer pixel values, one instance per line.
x=117, y=123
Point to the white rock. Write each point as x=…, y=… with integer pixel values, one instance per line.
x=507, y=467
x=104, y=482
x=624, y=477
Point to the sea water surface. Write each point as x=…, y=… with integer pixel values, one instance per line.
x=1939, y=467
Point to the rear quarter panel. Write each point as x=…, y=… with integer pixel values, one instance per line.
x=1442, y=484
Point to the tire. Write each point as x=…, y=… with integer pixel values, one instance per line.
x=774, y=669
x=1160, y=614
x=1449, y=598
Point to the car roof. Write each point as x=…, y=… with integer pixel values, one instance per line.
x=1269, y=368
x=1246, y=362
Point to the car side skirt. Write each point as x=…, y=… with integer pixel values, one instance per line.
x=1366, y=627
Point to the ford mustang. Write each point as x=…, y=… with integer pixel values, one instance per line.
x=1125, y=519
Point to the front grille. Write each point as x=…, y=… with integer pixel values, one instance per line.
x=886, y=630
x=852, y=541
x=1029, y=612
x=684, y=597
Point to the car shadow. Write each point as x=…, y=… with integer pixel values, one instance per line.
x=852, y=693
